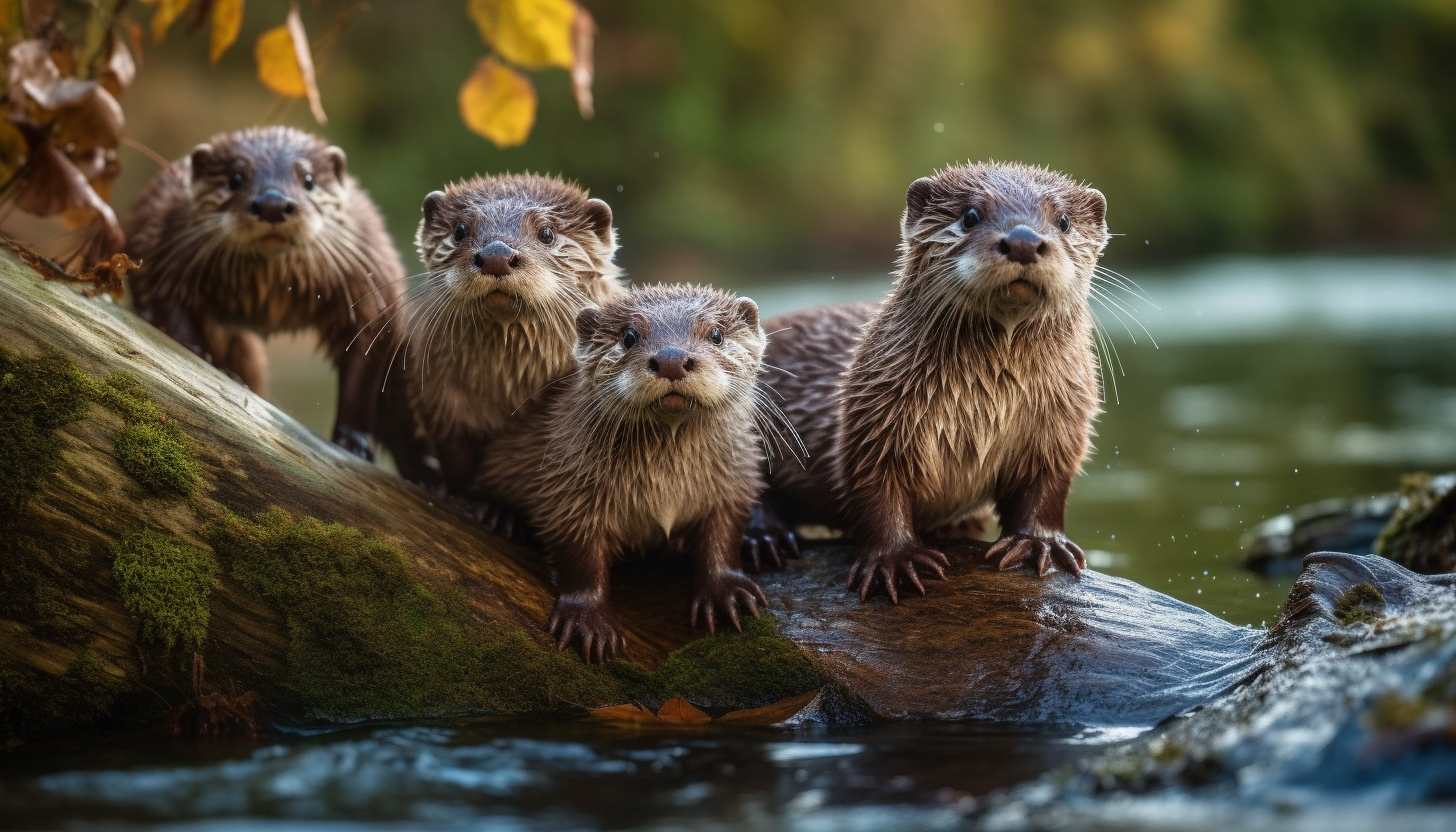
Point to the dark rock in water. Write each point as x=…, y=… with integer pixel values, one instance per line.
x=1354, y=710
x=1421, y=536
x=1279, y=545
x=986, y=644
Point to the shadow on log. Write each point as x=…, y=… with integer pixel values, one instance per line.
x=153, y=508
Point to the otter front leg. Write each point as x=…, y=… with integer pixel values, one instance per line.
x=1033, y=527
x=887, y=547
x=359, y=381
x=718, y=573
x=768, y=535
x=582, y=610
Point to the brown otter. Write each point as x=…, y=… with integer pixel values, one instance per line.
x=974, y=382
x=263, y=230
x=653, y=440
x=511, y=260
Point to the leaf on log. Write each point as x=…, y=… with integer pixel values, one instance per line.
x=227, y=21
x=498, y=103
x=624, y=713
x=679, y=711
x=770, y=715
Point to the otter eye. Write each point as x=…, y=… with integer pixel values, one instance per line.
x=629, y=338
x=1064, y=223
x=459, y=232
x=546, y=236
x=308, y=181
x=235, y=181
x=971, y=218
x=716, y=336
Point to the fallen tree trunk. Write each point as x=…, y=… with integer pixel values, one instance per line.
x=153, y=509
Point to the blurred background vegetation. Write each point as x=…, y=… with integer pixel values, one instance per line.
x=747, y=138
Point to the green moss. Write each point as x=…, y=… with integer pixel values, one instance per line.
x=158, y=456
x=367, y=639
x=165, y=584
x=730, y=670
x=37, y=396
x=1362, y=602
x=1421, y=534
x=85, y=692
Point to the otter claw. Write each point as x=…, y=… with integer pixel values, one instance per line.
x=884, y=568
x=590, y=621
x=1047, y=551
x=726, y=591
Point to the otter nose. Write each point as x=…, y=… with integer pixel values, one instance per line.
x=1023, y=245
x=671, y=363
x=497, y=259
x=273, y=206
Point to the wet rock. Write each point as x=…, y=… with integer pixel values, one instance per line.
x=1421, y=536
x=1279, y=545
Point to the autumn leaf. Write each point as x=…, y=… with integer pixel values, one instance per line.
x=107, y=276
x=285, y=64
x=679, y=711
x=624, y=713
x=166, y=14
x=533, y=34
x=498, y=103
x=769, y=715
x=583, y=31
x=227, y=21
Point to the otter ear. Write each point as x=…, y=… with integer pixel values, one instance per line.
x=433, y=207
x=588, y=321
x=748, y=311
x=340, y=162
x=1097, y=205
x=201, y=155
x=918, y=197
x=599, y=214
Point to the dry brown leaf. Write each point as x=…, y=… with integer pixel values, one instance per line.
x=305, y=63
x=624, y=713
x=768, y=715
x=679, y=711
x=227, y=21
x=583, y=32
x=498, y=103
x=107, y=276
x=166, y=14
x=534, y=34
x=119, y=70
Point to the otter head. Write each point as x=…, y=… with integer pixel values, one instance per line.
x=1010, y=242
x=519, y=246
x=267, y=190
x=671, y=353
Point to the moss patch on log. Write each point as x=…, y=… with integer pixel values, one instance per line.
x=166, y=584
x=1360, y=603
x=86, y=691
x=37, y=396
x=150, y=447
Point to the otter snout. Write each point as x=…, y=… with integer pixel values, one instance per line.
x=671, y=363
x=1023, y=245
x=272, y=206
x=497, y=259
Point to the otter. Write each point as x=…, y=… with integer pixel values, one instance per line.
x=260, y=231
x=973, y=384
x=654, y=440
x=510, y=261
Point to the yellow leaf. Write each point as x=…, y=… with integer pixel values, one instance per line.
x=680, y=711
x=278, y=67
x=534, y=34
x=227, y=21
x=498, y=103
x=166, y=14
x=775, y=714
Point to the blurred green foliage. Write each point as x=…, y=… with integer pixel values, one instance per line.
x=772, y=136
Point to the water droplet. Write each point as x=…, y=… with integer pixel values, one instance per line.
x=939, y=128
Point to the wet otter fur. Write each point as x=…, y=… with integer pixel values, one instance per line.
x=263, y=230
x=652, y=442
x=510, y=261
x=974, y=383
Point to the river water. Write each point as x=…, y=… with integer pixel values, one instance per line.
x=1272, y=384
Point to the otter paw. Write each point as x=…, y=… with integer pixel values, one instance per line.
x=1048, y=550
x=886, y=566
x=355, y=442
x=726, y=591
x=767, y=540
x=592, y=622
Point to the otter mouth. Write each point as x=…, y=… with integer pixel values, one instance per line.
x=674, y=402
x=500, y=300
x=1021, y=290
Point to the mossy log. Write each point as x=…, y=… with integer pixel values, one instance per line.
x=153, y=510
